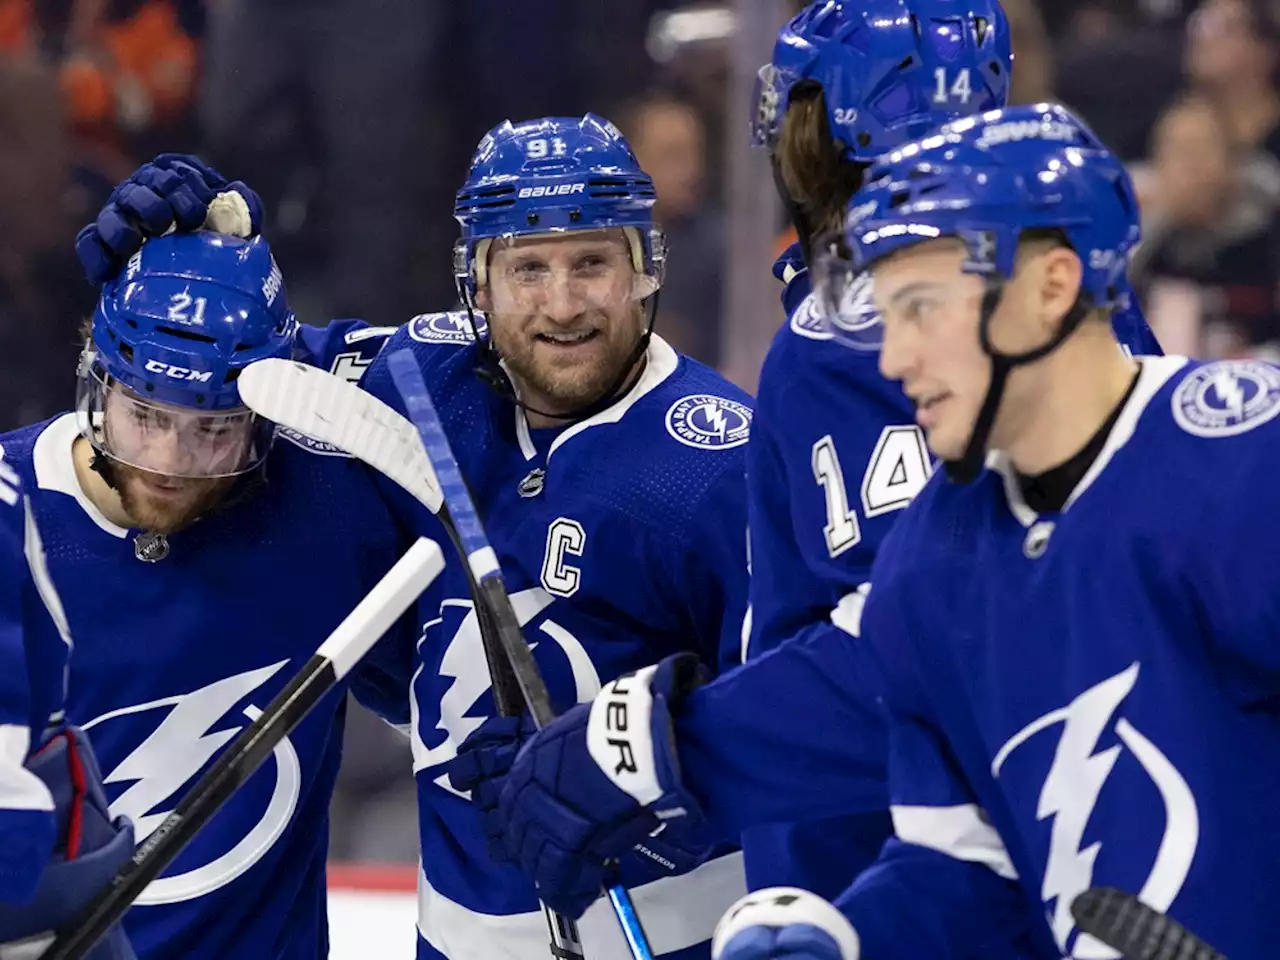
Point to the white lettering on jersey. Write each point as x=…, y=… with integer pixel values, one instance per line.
x=350, y=366
x=464, y=662
x=564, y=536
x=174, y=753
x=898, y=469
x=1070, y=792
x=842, y=530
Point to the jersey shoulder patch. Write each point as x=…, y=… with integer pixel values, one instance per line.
x=706, y=421
x=306, y=443
x=455, y=327
x=807, y=322
x=1227, y=397
x=856, y=313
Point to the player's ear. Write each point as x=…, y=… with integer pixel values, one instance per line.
x=1061, y=274
x=483, y=300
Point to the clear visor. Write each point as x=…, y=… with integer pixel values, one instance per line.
x=564, y=274
x=168, y=440
x=843, y=298
x=768, y=99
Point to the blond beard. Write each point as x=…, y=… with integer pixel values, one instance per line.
x=170, y=517
x=579, y=388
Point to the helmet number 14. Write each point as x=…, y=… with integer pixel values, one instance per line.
x=961, y=88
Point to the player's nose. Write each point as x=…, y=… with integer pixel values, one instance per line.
x=168, y=454
x=897, y=357
x=564, y=301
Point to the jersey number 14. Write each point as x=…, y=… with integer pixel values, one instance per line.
x=899, y=467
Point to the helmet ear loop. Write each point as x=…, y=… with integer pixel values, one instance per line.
x=488, y=363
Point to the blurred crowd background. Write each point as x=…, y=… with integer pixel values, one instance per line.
x=355, y=120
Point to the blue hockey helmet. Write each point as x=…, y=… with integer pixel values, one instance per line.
x=552, y=176
x=890, y=70
x=169, y=337
x=987, y=181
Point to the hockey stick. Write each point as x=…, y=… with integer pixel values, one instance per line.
x=351, y=640
x=329, y=409
x=483, y=562
x=1123, y=922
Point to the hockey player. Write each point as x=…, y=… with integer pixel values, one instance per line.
x=834, y=453
x=58, y=845
x=1071, y=674
x=608, y=470
x=202, y=566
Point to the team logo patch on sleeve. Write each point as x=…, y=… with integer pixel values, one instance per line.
x=709, y=422
x=1227, y=397
x=445, y=328
x=807, y=320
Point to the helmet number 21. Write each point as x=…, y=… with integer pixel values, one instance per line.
x=961, y=88
x=180, y=308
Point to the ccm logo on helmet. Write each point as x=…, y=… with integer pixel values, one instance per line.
x=178, y=373
x=561, y=190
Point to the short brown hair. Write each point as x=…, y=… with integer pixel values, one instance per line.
x=811, y=162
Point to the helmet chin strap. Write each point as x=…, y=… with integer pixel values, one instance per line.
x=971, y=462
x=489, y=369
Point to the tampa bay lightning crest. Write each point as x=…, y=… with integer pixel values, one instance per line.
x=1227, y=397
x=1097, y=745
x=446, y=327
x=177, y=737
x=709, y=422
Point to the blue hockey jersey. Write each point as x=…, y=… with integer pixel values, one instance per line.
x=1089, y=698
x=34, y=645
x=178, y=649
x=622, y=539
x=835, y=455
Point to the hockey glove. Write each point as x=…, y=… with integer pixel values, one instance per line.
x=173, y=192
x=596, y=783
x=90, y=849
x=784, y=923
x=484, y=759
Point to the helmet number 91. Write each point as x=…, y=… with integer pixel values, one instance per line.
x=541, y=147
x=961, y=88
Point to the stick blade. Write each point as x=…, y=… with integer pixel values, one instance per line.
x=327, y=408
x=1124, y=923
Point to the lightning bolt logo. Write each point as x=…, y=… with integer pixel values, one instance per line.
x=715, y=417
x=1070, y=794
x=464, y=668
x=178, y=748
x=1071, y=791
x=1229, y=391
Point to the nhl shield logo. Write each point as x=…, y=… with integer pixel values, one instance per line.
x=709, y=422
x=1228, y=397
x=445, y=328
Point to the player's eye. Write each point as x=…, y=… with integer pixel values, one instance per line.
x=530, y=271
x=919, y=309
x=593, y=262
x=214, y=431
x=148, y=419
